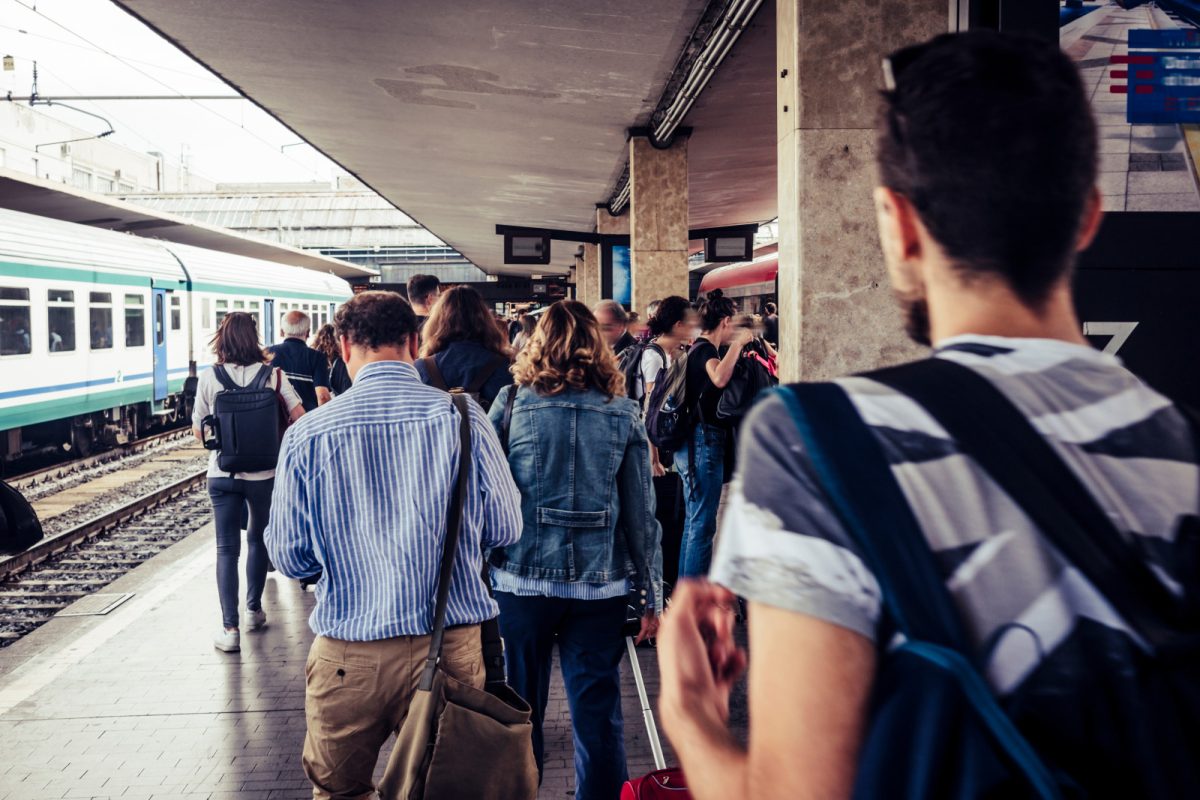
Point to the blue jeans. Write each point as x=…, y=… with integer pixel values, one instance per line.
x=701, y=461
x=230, y=498
x=590, y=646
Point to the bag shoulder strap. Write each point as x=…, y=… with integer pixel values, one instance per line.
x=224, y=378
x=855, y=473
x=1020, y=460
x=853, y=470
x=454, y=517
x=485, y=373
x=261, y=377
x=435, y=374
x=506, y=420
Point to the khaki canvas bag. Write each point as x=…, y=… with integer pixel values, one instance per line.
x=460, y=742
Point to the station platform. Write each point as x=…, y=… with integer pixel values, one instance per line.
x=138, y=704
x=1141, y=167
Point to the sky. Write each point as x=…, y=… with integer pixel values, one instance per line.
x=224, y=140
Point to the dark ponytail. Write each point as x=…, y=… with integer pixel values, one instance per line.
x=670, y=312
x=714, y=308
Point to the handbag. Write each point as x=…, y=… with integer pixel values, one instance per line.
x=458, y=741
x=934, y=727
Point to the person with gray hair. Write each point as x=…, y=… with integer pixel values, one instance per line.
x=306, y=368
x=614, y=321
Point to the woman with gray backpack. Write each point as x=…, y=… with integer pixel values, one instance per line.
x=242, y=407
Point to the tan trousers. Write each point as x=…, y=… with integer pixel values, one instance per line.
x=358, y=693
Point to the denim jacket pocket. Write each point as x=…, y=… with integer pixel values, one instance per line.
x=573, y=519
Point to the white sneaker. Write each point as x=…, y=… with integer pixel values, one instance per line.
x=258, y=620
x=227, y=641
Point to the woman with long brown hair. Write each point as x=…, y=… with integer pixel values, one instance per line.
x=326, y=343
x=461, y=346
x=240, y=357
x=579, y=454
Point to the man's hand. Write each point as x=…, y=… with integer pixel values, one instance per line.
x=698, y=657
x=657, y=469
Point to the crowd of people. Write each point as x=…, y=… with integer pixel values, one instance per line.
x=579, y=418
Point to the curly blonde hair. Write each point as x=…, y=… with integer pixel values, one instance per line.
x=566, y=351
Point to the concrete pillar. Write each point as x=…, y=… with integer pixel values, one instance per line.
x=605, y=224
x=658, y=220
x=836, y=311
x=587, y=283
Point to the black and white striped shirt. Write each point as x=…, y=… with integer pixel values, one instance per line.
x=1033, y=616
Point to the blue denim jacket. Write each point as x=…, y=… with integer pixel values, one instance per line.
x=582, y=463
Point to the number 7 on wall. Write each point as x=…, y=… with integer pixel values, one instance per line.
x=1119, y=331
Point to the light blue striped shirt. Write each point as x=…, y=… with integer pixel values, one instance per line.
x=361, y=493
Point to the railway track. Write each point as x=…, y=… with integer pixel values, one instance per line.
x=64, y=470
x=76, y=562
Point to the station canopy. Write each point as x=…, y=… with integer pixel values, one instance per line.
x=33, y=195
x=473, y=113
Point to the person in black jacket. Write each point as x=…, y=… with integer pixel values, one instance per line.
x=462, y=347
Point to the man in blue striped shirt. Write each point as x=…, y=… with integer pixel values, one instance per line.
x=361, y=495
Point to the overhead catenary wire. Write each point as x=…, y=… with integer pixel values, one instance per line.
x=160, y=82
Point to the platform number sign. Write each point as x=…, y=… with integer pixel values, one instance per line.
x=1119, y=331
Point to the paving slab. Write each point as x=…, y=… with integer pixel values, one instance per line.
x=137, y=703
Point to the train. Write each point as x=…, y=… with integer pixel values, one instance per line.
x=103, y=334
x=750, y=284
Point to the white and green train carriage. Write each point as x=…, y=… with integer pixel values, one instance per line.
x=102, y=334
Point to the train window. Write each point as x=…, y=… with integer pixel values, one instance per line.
x=15, y=336
x=135, y=320
x=176, y=313
x=239, y=305
x=222, y=310
x=60, y=313
x=100, y=322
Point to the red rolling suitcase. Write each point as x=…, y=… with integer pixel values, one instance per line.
x=664, y=783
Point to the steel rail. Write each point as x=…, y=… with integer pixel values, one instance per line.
x=64, y=469
x=92, y=528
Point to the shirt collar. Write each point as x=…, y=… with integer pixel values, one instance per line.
x=387, y=369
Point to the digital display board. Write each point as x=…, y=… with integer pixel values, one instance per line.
x=1141, y=69
x=622, y=275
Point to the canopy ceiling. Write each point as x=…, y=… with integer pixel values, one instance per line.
x=474, y=113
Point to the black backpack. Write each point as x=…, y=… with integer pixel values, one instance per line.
x=629, y=361
x=480, y=380
x=670, y=413
x=245, y=423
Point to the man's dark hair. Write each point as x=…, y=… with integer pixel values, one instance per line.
x=770, y=307
x=376, y=319
x=422, y=288
x=991, y=138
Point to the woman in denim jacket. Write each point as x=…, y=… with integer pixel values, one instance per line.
x=580, y=456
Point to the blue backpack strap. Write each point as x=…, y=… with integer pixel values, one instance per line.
x=854, y=472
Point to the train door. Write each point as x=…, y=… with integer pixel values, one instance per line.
x=160, y=344
x=268, y=322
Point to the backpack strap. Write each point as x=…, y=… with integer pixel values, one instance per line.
x=506, y=419
x=485, y=373
x=854, y=472
x=435, y=375
x=224, y=378
x=260, y=379
x=986, y=426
